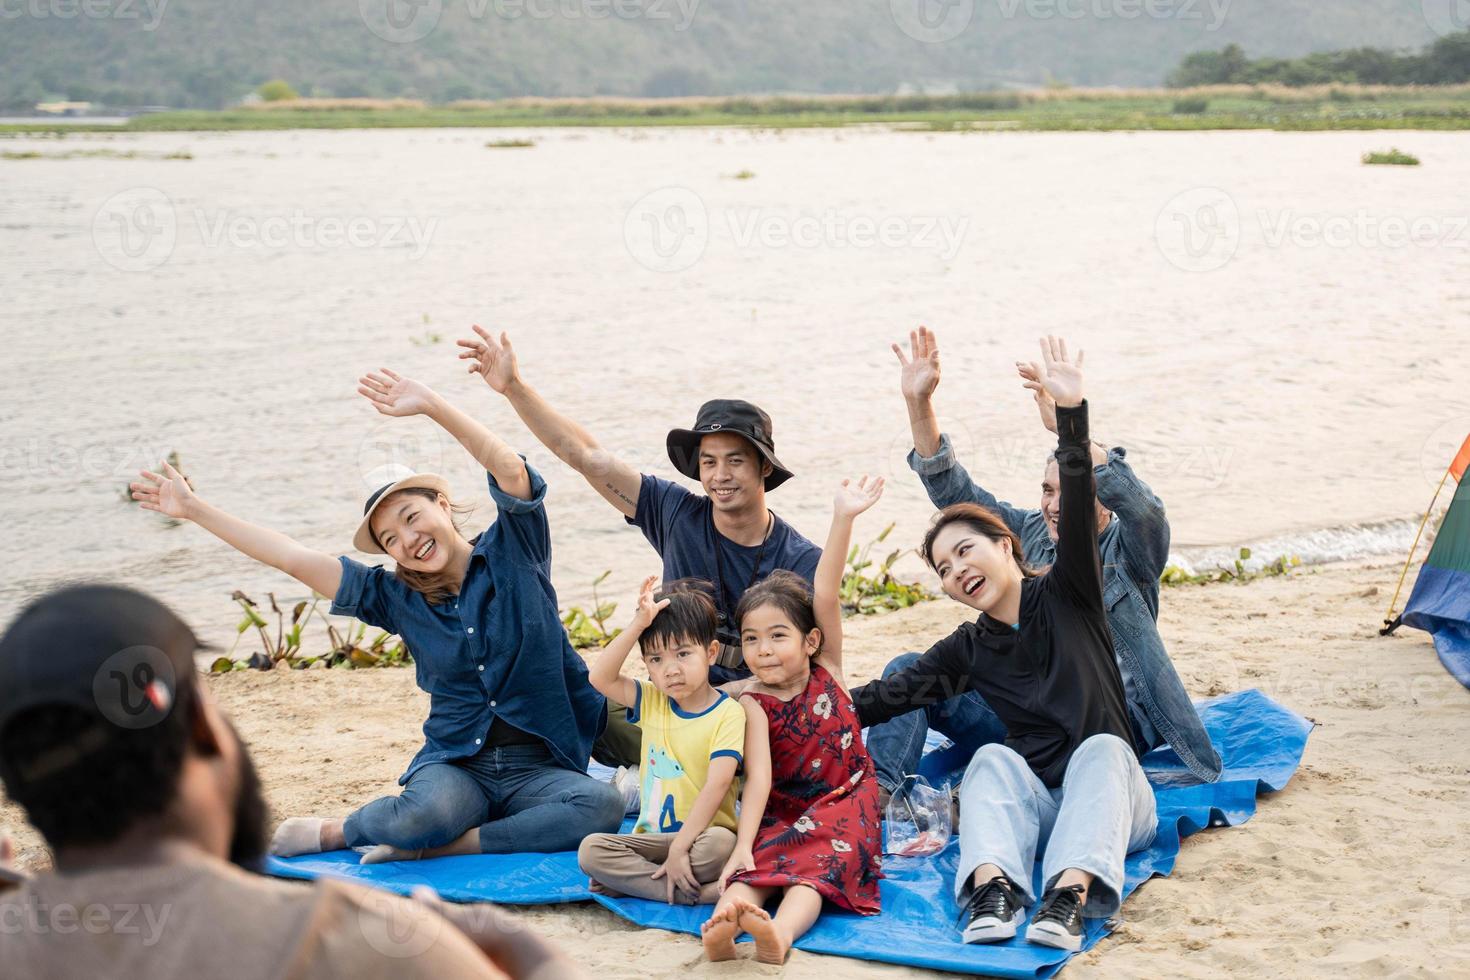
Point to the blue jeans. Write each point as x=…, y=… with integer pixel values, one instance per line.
x=897, y=745
x=521, y=798
x=1103, y=811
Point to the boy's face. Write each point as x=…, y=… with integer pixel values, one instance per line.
x=680, y=669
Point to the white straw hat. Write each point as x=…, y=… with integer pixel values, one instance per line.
x=393, y=477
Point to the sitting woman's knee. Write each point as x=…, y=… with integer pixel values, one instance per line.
x=1105, y=747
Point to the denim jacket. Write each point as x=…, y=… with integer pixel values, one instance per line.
x=1134, y=548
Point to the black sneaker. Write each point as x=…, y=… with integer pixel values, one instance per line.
x=1058, y=922
x=993, y=913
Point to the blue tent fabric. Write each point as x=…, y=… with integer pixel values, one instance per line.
x=1260, y=742
x=1440, y=605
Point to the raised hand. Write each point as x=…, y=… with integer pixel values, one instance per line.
x=167, y=493
x=648, y=605
x=1045, y=404
x=1060, y=376
x=394, y=395
x=920, y=374
x=494, y=360
x=854, y=498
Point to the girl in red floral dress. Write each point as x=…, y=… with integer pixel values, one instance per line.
x=810, y=824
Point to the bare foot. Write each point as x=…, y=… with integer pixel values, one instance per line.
x=771, y=944
x=598, y=888
x=719, y=933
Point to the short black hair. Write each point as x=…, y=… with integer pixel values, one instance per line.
x=83, y=780
x=690, y=617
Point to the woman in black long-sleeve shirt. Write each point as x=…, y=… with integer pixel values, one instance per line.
x=1067, y=778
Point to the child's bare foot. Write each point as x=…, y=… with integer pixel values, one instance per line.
x=598, y=888
x=771, y=944
x=719, y=933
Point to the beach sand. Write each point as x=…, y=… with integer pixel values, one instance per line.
x=1358, y=868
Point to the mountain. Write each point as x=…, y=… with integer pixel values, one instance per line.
x=210, y=53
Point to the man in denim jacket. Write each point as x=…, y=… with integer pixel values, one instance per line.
x=1133, y=538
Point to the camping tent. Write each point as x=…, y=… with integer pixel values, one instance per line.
x=1440, y=602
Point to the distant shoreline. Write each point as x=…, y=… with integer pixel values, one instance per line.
x=1226, y=107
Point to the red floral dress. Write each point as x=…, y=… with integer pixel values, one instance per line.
x=822, y=826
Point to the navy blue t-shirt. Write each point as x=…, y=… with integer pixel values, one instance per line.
x=679, y=525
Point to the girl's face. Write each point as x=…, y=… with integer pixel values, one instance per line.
x=776, y=652
x=418, y=533
x=973, y=569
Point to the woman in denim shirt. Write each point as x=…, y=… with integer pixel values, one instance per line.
x=512, y=717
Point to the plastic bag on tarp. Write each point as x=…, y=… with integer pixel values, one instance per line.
x=918, y=819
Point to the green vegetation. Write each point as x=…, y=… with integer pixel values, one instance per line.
x=284, y=647
x=745, y=175
x=278, y=90
x=1392, y=158
x=1191, y=107
x=589, y=629
x=1228, y=107
x=98, y=154
x=510, y=144
x=864, y=593
x=1236, y=572
x=1445, y=62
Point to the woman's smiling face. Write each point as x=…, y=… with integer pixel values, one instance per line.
x=972, y=568
x=777, y=653
x=416, y=530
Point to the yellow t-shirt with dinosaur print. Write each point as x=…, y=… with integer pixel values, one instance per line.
x=675, y=756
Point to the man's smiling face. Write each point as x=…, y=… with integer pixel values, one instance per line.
x=732, y=471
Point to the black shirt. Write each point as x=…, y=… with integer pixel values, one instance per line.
x=1052, y=679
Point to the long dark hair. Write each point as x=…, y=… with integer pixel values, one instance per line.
x=981, y=520
x=787, y=592
x=435, y=588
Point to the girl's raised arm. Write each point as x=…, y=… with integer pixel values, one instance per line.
x=852, y=499
x=399, y=397
x=169, y=493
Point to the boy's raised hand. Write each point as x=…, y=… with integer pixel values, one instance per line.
x=167, y=493
x=854, y=498
x=492, y=359
x=648, y=606
x=1045, y=404
x=1060, y=376
x=394, y=395
x=920, y=374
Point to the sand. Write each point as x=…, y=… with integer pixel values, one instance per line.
x=1358, y=868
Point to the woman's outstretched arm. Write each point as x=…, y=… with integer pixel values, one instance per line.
x=399, y=397
x=169, y=493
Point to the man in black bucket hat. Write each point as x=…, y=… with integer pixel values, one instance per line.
x=726, y=536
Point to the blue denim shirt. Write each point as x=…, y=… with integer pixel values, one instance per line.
x=1134, y=548
x=497, y=649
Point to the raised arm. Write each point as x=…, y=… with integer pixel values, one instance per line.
x=1046, y=406
x=918, y=379
x=169, y=493
x=1078, y=568
x=398, y=397
x=755, y=793
x=495, y=360
x=852, y=499
x=606, y=673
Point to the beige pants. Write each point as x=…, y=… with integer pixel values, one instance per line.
x=623, y=863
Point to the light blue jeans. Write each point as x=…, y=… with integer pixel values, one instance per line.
x=519, y=796
x=1103, y=811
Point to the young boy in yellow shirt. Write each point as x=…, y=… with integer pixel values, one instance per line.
x=693, y=743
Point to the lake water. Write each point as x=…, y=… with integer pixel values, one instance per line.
x=1277, y=333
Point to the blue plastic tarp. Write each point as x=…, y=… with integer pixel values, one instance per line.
x=1260, y=743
